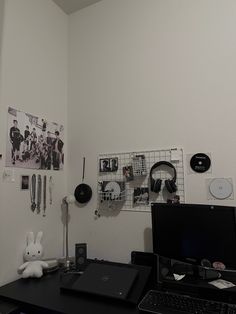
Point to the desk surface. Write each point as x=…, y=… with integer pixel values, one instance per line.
x=44, y=296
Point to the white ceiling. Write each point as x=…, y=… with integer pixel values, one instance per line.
x=70, y=6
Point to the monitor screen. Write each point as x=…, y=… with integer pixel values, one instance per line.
x=191, y=233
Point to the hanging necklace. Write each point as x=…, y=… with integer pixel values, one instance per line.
x=39, y=193
x=51, y=185
x=33, y=192
x=44, y=195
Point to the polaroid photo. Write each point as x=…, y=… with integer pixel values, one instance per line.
x=114, y=164
x=24, y=182
x=139, y=165
x=128, y=173
x=141, y=196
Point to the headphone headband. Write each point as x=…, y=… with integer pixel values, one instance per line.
x=164, y=163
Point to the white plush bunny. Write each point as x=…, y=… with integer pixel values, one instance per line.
x=32, y=255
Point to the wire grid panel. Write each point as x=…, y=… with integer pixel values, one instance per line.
x=141, y=163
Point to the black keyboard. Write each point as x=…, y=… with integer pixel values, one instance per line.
x=165, y=302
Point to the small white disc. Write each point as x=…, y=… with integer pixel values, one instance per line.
x=221, y=188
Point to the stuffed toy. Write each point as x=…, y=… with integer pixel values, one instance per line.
x=33, y=267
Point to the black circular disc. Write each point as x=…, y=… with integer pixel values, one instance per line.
x=83, y=193
x=200, y=162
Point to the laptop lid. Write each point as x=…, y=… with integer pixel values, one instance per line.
x=107, y=280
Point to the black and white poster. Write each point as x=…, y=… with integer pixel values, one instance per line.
x=33, y=142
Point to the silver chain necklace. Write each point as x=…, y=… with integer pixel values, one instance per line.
x=33, y=192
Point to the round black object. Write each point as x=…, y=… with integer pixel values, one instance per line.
x=200, y=162
x=83, y=193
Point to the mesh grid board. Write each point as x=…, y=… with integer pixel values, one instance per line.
x=123, y=179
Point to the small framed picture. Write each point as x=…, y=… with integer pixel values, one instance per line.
x=24, y=182
x=104, y=165
x=108, y=164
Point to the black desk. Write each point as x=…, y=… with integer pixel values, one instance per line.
x=43, y=296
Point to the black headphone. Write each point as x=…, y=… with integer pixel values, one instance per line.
x=169, y=183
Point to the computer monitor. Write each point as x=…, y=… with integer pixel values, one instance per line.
x=192, y=233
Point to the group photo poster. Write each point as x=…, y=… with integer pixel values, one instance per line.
x=33, y=142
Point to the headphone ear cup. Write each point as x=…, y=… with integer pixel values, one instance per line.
x=170, y=186
x=157, y=186
x=174, y=186
x=152, y=183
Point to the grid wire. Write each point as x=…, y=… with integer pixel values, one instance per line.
x=141, y=181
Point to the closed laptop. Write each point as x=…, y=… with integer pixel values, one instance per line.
x=107, y=280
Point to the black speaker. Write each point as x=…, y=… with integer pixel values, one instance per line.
x=80, y=256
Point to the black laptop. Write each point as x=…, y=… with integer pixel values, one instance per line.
x=106, y=280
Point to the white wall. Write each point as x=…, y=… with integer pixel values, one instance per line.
x=1, y=20
x=148, y=74
x=2, y=3
x=34, y=80
x=143, y=74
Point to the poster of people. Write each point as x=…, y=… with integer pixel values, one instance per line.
x=33, y=142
